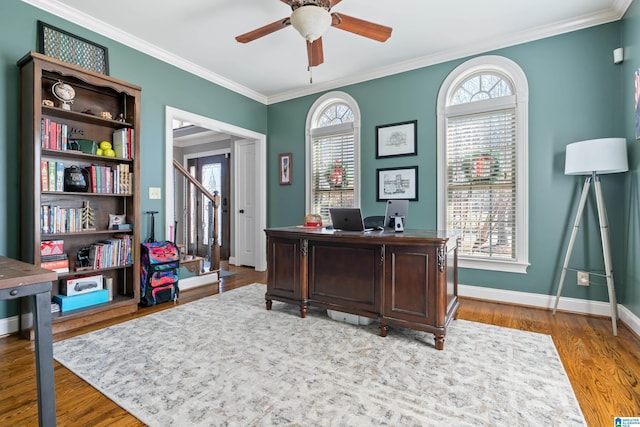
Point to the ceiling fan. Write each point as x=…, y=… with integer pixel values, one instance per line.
x=312, y=18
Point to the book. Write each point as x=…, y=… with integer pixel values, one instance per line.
x=52, y=176
x=93, y=179
x=59, y=176
x=61, y=266
x=121, y=143
x=45, y=128
x=44, y=175
x=47, y=258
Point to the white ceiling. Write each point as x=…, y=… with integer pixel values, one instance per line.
x=199, y=36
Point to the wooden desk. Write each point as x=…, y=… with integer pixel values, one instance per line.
x=404, y=279
x=19, y=279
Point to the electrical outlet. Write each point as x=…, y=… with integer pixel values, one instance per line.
x=154, y=193
x=583, y=278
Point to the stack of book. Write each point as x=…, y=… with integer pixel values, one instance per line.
x=53, y=257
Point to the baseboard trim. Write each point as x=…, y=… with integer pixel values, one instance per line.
x=9, y=325
x=574, y=305
x=197, y=281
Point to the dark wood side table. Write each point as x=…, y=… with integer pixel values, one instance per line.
x=19, y=279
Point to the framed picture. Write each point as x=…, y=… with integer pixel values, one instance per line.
x=285, y=169
x=72, y=49
x=397, y=139
x=397, y=183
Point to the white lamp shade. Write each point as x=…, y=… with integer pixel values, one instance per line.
x=606, y=155
x=311, y=21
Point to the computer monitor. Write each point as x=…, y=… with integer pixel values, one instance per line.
x=395, y=208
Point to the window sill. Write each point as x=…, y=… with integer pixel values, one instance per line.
x=493, y=265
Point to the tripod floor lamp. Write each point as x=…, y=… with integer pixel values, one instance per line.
x=595, y=157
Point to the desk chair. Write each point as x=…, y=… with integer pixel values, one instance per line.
x=374, y=221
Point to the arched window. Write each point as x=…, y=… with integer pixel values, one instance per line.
x=482, y=163
x=332, y=154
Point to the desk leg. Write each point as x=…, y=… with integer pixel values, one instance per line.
x=439, y=341
x=44, y=360
x=304, y=308
x=383, y=330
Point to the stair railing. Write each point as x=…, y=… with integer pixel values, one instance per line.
x=213, y=248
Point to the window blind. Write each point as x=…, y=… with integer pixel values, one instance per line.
x=481, y=183
x=333, y=164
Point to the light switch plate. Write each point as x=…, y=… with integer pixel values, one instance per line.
x=154, y=193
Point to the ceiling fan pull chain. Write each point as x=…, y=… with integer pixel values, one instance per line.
x=310, y=75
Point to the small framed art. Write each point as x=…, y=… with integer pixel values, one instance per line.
x=397, y=139
x=67, y=47
x=397, y=183
x=285, y=169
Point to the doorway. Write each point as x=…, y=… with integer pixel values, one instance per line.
x=213, y=173
x=238, y=179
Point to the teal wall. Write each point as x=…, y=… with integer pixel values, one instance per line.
x=631, y=190
x=574, y=94
x=162, y=85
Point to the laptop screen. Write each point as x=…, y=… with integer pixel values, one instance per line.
x=347, y=219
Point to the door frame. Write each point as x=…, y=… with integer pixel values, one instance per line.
x=260, y=141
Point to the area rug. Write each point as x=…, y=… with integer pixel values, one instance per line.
x=226, y=361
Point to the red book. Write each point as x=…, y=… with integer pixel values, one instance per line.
x=94, y=188
x=55, y=265
x=44, y=175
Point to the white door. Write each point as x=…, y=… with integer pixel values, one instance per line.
x=246, y=203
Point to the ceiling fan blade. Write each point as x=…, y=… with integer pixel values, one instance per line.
x=361, y=27
x=263, y=31
x=315, y=53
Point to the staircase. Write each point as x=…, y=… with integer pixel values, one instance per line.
x=198, y=271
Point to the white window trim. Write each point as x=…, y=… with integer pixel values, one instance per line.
x=312, y=115
x=510, y=69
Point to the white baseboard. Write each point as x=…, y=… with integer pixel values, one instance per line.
x=631, y=320
x=574, y=305
x=196, y=281
x=9, y=325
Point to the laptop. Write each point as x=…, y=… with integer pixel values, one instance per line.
x=347, y=219
x=395, y=208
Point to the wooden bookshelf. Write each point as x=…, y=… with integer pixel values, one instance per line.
x=102, y=104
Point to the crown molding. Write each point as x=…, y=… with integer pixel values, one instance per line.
x=614, y=13
x=91, y=23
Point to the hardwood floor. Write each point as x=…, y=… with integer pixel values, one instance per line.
x=604, y=370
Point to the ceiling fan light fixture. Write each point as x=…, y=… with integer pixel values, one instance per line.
x=311, y=21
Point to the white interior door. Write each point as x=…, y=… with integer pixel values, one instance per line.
x=246, y=203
